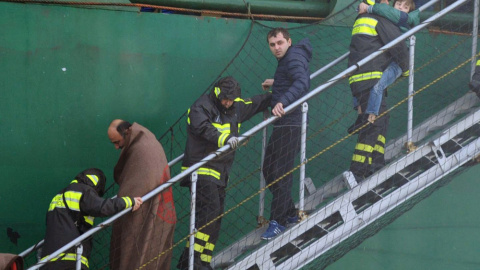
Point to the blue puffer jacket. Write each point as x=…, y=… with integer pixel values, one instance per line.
x=292, y=81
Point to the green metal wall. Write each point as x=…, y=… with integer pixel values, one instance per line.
x=66, y=72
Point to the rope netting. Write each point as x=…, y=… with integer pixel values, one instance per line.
x=442, y=73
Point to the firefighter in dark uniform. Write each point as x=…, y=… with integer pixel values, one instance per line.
x=370, y=33
x=71, y=213
x=214, y=121
x=475, y=82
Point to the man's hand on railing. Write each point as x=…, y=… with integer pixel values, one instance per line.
x=278, y=110
x=138, y=202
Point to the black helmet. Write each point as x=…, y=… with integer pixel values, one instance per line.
x=93, y=177
x=227, y=88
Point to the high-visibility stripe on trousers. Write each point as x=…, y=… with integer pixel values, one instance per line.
x=209, y=208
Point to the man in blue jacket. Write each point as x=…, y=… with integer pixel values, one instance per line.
x=290, y=82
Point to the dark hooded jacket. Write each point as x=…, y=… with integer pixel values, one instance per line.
x=292, y=81
x=71, y=214
x=210, y=126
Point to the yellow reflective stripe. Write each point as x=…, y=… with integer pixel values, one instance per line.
x=358, y=158
x=478, y=62
x=209, y=246
x=222, y=139
x=206, y=171
x=379, y=149
x=188, y=116
x=205, y=258
x=57, y=202
x=241, y=100
x=371, y=2
x=364, y=147
x=74, y=182
x=381, y=139
x=217, y=91
x=210, y=172
x=225, y=128
x=89, y=219
x=369, y=160
x=202, y=236
x=365, y=26
x=197, y=247
x=73, y=200
x=365, y=76
x=93, y=178
x=128, y=202
x=68, y=257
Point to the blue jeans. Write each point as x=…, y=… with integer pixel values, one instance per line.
x=390, y=74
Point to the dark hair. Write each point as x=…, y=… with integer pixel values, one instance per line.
x=122, y=127
x=274, y=32
x=410, y=2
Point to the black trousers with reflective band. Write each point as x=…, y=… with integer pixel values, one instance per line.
x=369, y=154
x=209, y=205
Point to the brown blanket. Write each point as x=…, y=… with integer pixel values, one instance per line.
x=7, y=261
x=139, y=239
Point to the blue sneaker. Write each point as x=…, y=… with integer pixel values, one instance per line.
x=273, y=230
x=291, y=221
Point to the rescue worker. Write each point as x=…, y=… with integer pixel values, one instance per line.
x=370, y=33
x=214, y=121
x=475, y=82
x=71, y=213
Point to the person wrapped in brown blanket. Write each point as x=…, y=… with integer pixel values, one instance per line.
x=142, y=239
x=10, y=262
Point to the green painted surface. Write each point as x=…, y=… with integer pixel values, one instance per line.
x=66, y=72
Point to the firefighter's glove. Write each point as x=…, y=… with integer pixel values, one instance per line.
x=233, y=142
x=406, y=73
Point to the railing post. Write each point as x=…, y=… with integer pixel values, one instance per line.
x=303, y=147
x=261, y=204
x=191, y=247
x=79, y=257
x=474, y=37
x=410, y=146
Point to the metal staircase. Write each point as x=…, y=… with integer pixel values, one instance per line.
x=446, y=141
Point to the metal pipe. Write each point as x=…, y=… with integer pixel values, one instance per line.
x=274, y=7
x=329, y=65
x=191, y=249
x=474, y=37
x=410, y=93
x=261, y=206
x=79, y=257
x=303, y=147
